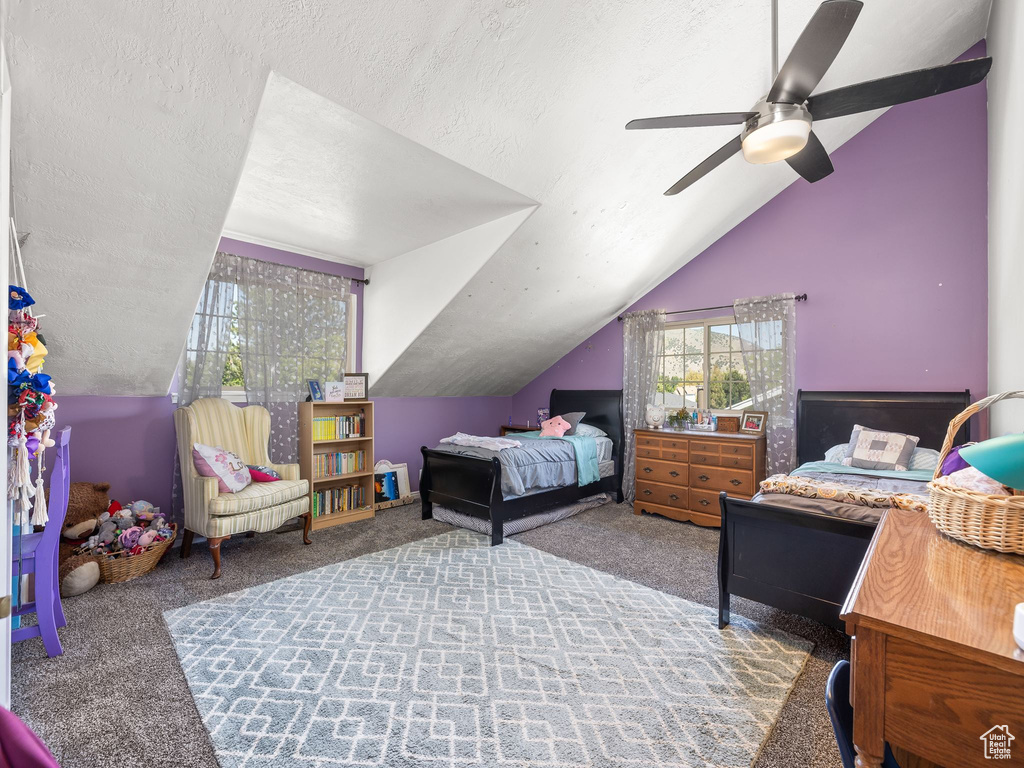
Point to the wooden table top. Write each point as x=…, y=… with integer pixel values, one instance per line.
x=698, y=434
x=918, y=584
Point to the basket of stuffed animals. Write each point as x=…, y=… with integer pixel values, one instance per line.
x=129, y=541
x=987, y=514
x=125, y=566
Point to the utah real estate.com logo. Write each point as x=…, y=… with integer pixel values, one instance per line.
x=997, y=742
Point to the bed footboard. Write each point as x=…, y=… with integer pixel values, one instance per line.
x=797, y=561
x=467, y=484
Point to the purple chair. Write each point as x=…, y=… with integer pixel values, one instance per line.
x=38, y=553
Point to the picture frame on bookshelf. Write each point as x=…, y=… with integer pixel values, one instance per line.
x=355, y=386
x=316, y=394
x=334, y=391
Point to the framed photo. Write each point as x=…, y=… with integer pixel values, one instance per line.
x=355, y=386
x=753, y=422
x=315, y=393
x=334, y=391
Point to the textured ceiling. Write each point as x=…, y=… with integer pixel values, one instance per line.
x=332, y=183
x=132, y=123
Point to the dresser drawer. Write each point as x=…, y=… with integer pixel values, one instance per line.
x=665, y=495
x=673, y=444
x=707, y=459
x=705, y=501
x=669, y=455
x=742, y=462
x=738, y=449
x=646, y=452
x=700, y=446
x=722, y=479
x=648, y=441
x=660, y=471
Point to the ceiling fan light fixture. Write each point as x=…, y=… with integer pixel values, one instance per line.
x=776, y=141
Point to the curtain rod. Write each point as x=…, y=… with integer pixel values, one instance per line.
x=800, y=297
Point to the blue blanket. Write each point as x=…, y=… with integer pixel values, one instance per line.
x=585, y=448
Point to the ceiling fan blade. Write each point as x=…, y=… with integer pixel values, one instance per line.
x=812, y=161
x=690, y=121
x=718, y=157
x=814, y=51
x=898, y=89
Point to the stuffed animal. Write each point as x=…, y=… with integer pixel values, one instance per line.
x=86, y=502
x=554, y=427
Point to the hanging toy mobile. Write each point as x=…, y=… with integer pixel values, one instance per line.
x=30, y=406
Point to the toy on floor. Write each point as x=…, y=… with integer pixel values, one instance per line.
x=129, y=530
x=86, y=503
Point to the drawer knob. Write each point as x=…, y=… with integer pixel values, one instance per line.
x=674, y=473
x=647, y=491
x=648, y=469
x=673, y=497
x=705, y=478
x=704, y=502
x=736, y=482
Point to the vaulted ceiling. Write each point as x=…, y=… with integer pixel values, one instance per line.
x=133, y=122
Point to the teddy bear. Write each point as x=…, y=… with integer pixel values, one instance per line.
x=87, y=502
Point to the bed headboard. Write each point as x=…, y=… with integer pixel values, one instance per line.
x=824, y=419
x=604, y=411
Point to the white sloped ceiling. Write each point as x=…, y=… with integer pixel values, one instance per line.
x=133, y=121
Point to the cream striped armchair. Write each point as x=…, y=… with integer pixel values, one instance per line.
x=260, y=507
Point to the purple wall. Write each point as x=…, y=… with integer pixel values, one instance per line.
x=891, y=250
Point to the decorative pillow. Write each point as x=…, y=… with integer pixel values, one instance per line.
x=263, y=477
x=555, y=427
x=231, y=472
x=574, y=419
x=262, y=468
x=589, y=430
x=870, y=449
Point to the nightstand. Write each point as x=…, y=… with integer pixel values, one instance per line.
x=507, y=429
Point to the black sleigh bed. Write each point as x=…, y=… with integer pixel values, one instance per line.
x=473, y=486
x=802, y=561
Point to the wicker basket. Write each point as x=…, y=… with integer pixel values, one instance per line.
x=121, y=567
x=728, y=423
x=985, y=520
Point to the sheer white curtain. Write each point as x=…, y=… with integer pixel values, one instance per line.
x=292, y=326
x=767, y=329
x=643, y=344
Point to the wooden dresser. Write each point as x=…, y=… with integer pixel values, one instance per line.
x=935, y=668
x=679, y=474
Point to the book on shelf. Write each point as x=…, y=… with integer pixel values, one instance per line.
x=341, y=499
x=339, y=427
x=338, y=463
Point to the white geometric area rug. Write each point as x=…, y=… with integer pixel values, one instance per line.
x=448, y=651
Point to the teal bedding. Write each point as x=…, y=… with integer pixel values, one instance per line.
x=585, y=449
x=813, y=468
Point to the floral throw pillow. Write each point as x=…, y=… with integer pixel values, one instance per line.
x=871, y=449
x=231, y=472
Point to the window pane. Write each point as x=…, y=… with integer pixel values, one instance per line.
x=695, y=339
x=694, y=369
x=674, y=341
x=719, y=338
x=734, y=333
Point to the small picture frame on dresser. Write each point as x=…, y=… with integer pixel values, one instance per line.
x=753, y=422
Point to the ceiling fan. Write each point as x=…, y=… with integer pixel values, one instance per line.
x=778, y=127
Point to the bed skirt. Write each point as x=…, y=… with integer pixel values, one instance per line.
x=512, y=527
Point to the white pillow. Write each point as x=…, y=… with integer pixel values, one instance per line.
x=836, y=453
x=924, y=459
x=590, y=430
x=231, y=472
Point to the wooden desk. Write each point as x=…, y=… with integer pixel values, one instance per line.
x=934, y=662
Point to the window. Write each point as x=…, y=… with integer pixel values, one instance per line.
x=703, y=367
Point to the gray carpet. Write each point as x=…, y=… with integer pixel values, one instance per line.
x=119, y=696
